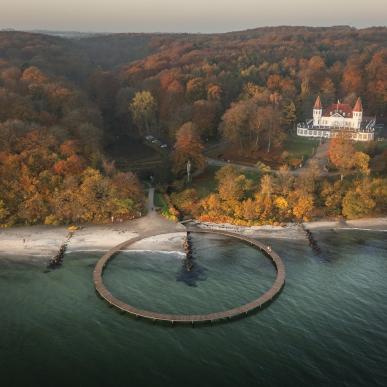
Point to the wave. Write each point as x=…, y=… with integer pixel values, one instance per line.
x=359, y=229
x=169, y=252
x=13, y=253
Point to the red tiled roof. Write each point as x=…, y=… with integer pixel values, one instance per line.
x=358, y=106
x=338, y=108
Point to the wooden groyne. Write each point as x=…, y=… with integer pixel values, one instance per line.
x=312, y=241
x=57, y=260
x=187, y=246
x=258, y=303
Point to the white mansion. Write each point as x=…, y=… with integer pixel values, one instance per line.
x=338, y=118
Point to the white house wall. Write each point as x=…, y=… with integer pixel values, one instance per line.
x=318, y=133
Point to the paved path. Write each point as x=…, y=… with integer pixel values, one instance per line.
x=153, y=223
x=151, y=200
x=221, y=163
x=320, y=157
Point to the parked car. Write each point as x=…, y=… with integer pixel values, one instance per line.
x=164, y=146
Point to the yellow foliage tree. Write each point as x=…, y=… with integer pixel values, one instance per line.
x=358, y=201
x=303, y=205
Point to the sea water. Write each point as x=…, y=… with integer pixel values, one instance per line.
x=328, y=327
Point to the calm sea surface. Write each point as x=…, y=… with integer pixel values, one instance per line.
x=327, y=328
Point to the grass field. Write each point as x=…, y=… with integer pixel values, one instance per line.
x=131, y=150
x=160, y=201
x=206, y=183
x=254, y=176
x=380, y=146
x=299, y=147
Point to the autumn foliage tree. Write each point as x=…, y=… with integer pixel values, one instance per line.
x=359, y=200
x=143, y=108
x=231, y=184
x=44, y=181
x=344, y=157
x=188, y=147
x=61, y=100
x=251, y=126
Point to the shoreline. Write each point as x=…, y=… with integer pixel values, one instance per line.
x=292, y=230
x=363, y=223
x=44, y=241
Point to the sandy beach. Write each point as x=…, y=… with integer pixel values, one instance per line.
x=366, y=224
x=44, y=241
x=292, y=230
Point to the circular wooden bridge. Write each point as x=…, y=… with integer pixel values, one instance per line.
x=194, y=318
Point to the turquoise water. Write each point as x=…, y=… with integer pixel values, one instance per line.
x=225, y=275
x=327, y=328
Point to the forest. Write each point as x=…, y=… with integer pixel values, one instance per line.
x=64, y=102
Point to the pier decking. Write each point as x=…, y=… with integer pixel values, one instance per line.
x=258, y=303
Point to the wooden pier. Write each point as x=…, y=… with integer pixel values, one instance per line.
x=258, y=303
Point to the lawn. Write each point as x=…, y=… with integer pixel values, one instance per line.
x=206, y=182
x=299, y=147
x=160, y=201
x=130, y=149
x=380, y=146
x=254, y=176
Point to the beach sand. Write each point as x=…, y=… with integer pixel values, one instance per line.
x=45, y=241
x=377, y=224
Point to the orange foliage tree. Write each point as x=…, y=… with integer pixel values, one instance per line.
x=188, y=147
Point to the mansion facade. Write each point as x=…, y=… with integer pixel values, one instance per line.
x=336, y=119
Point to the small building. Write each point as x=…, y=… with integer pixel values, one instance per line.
x=336, y=119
